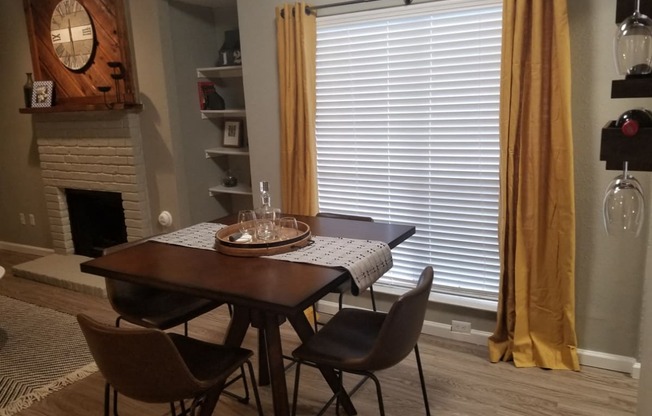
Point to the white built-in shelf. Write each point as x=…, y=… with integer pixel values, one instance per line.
x=237, y=190
x=220, y=72
x=236, y=112
x=226, y=151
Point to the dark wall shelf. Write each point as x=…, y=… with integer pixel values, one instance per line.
x=67, y=108
x=616, y=148
x=625, y=8
x=638, y=87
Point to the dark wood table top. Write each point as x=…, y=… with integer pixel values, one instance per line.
x=281, y=287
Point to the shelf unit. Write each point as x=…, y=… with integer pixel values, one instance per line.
x=231, y=156
x=233, y=113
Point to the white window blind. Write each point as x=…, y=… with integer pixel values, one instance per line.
x=407, y=132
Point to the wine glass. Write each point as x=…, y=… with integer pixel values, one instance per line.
x=288, y=228
x=265, y=229
x=633, y=44
x=624, y=205
x=247, y=221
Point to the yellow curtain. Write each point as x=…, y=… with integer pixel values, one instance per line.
x=536, y=312
x=296, y=46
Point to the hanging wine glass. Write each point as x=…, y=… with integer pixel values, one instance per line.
x=633, y=44
x=624, y=205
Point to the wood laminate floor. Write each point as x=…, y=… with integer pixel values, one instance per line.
x=460, y=379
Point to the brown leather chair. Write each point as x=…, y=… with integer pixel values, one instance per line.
x=153, y=366
x=151, y=307
x=346, y=286
x=362, y=342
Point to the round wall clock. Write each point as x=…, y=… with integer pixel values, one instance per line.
x=71, y=31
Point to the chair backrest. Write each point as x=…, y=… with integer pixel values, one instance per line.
x=141, y=363
x=402, y=326
x=127, y=298
x=344, y=216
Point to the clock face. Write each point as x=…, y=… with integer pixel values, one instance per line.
x=72, y=34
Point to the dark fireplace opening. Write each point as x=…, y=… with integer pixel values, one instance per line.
x=97, y=220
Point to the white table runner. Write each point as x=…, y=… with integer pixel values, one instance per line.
x=366, y=260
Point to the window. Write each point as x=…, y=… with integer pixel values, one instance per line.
x=407, y=132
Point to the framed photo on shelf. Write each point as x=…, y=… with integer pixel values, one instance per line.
x=232, y=134
x=42, y=94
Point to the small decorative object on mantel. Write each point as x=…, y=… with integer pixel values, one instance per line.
x=27, y=90
x=43, y=94
x=232, y=134
x=117, y=75
x=229, y=53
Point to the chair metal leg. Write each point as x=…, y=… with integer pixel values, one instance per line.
x=115, y=402
x=255, y=388
x=242, y=399
x=314, y=317
x=373, y=298
x=107, y=398
x=295, y=395
x=423, y=380
x=381, y=406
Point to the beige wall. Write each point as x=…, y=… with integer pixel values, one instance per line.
x=21, y=188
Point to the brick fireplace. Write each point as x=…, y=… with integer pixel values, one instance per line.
x=95, y=151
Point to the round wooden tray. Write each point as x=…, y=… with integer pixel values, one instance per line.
x=258, y=248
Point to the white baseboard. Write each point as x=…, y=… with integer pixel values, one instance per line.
x=21, y=248
x=612, y=362
x=588, y=358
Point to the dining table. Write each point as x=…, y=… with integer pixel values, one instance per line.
x=263, y=292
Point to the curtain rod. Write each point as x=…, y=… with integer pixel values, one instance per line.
x=310, y=9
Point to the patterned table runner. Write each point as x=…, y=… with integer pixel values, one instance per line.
x=366, y=260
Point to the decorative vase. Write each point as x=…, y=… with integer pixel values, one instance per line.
x=27, y=90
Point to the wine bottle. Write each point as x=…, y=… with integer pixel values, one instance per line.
x=632, y=120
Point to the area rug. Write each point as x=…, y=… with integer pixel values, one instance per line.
x=41, y=351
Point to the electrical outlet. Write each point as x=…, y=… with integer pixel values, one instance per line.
x=461, y=326
x=22, y=218
x=32, y=220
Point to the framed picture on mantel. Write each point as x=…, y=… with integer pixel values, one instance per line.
x=42, y=94
x=232, y=134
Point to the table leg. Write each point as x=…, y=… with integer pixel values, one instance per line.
x=263, y=366
x=305, y=331
x=238, y=326
x=275, y=363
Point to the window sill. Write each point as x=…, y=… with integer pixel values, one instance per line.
x=456, y=300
